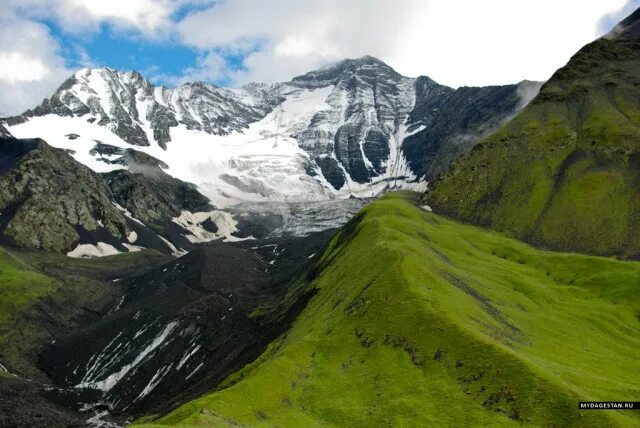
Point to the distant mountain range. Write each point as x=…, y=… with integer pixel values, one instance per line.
x=355, y=128
x=256, y=161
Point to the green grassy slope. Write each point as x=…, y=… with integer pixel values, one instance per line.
x=565, y=173
x=19, y=287
x=421, y=321
x=43, y=295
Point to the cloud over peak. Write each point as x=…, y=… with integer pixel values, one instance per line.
x=231, y=42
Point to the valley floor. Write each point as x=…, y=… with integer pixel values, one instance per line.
x=422, y=321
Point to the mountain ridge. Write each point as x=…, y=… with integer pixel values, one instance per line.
x=419, y=320
x=355, y=128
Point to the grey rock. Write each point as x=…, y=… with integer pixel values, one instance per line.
x=153, y=196
x=47, y=199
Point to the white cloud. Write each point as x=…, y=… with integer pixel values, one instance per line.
x=294, y=46
x=145, y=18
x=608, y=21
x=30, y=65
x=144, y=14
x=149, y=18
x=16, y=67
x=456, y=42
x=31, y=62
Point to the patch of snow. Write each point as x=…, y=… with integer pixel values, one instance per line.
x=132, y=237
x=174, y=251
x=97, y=420
x=186, y=356
x=193, y=223
x=132, y=248
x=119, y=304
x=194, y=371
x=110, y=381
x=100, y=249
x=128, y=214
x=415, y=131
x=426, y=208
x=155, y=380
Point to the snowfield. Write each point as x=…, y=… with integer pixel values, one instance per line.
x=294, y=153
x=262, y=163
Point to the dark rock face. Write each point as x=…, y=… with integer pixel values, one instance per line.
x=133, y=159
x=376, y=149
x=628, y=29
x=4, y=133
x=380, y=113
x=46, y=197
x=448, y=123
x=331, y=171
x=348, y=152
x=369, y=103
x=182, y=328
x=153, y=196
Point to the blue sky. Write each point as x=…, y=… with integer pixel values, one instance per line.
x=232, y=42
x=116, y=50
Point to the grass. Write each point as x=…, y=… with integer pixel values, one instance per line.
x=20, y=285
x=563, y=174
x=421, y=321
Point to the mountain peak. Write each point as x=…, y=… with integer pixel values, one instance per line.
x=332, y=73
x=366, y=60
x=108, y=73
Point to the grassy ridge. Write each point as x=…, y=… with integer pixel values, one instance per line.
x=421, y=321
x=564, y=173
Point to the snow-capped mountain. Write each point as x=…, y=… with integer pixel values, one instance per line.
x=278, y=159
x=332, y=133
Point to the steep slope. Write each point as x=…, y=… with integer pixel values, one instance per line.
x=181, y=328
x=355, y=128
x=141, y=114
x=43, y=296
x=418, y=320
x=51, y=202
x=564, y=173
x=48, y=200
x=447, y=126
x=4, y=133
